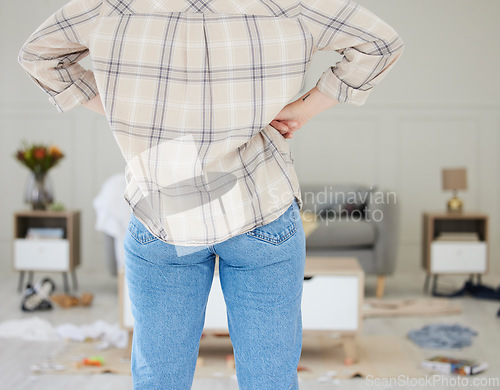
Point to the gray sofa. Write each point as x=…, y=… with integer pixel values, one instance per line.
x=353, y=221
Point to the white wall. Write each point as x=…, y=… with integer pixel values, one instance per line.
x=438, y=107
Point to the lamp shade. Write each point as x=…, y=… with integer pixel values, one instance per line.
x=455, y=179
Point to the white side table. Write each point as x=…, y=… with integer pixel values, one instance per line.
x=60, y=255
x=458, y=257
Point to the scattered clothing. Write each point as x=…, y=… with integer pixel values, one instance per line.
x=476, y=290
x=113, y=213
x=442, y=336
x=37, y=329
x=31, y=301
x=33, y=329
x=108, y=334
x=37, y=297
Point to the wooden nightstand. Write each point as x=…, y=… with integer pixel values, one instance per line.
x=454, y=255
x=43, y=254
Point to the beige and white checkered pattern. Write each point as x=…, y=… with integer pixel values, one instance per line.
x=189, y=88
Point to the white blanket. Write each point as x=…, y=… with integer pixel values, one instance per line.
x=113, y=213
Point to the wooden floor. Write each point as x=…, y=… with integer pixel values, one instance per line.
x=16, y=356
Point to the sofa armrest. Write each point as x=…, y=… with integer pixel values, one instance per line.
x=385, y=215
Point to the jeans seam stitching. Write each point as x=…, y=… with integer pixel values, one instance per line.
x=274, y=241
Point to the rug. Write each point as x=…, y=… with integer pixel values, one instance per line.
x=322, y=358
x=374, y=307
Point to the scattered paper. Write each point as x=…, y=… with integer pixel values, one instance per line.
x=38, y=329
x=34, y=329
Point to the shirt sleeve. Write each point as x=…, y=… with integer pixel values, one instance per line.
x=369, y=46
x=51, y=54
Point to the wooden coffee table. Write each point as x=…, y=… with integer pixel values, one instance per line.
x=332, y=299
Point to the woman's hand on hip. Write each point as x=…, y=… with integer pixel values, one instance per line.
x=297, y=113
x=289, y=120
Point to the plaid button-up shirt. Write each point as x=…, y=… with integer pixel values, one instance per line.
x=189, y=88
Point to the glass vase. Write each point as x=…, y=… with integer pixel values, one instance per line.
x=39, y=191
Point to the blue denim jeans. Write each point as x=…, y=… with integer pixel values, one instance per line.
x=261, y=274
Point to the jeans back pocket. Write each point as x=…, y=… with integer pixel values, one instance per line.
x=279, y=230
x=139, y=231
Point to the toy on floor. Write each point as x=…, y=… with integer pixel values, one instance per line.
x=93, y=361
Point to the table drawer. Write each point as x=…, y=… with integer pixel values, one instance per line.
x=328, y=303
x=458, y=257
x=331, y=303
x=41, y=255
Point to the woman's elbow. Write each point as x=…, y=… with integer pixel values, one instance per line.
x=26, y=59
x=398, y=46
x=391, y=46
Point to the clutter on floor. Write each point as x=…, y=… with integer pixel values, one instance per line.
x=32, y=328
x=375, y=307
x=449, y=365
x=41, y=297
x=92, y=361
x=442, y=336
x=476, y=290
x=66, y=301
x=37, y=297
x=81, y=358
x=322, y=359
x=37, y=329
x=109, y=335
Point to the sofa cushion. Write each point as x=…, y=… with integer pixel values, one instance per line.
x=342, y=234
x=329, y=201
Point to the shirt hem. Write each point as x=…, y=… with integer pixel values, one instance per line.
x=271, y=217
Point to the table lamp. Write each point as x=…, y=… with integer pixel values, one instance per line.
x=455, y=179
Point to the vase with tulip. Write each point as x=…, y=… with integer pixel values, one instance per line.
x=39, y=159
